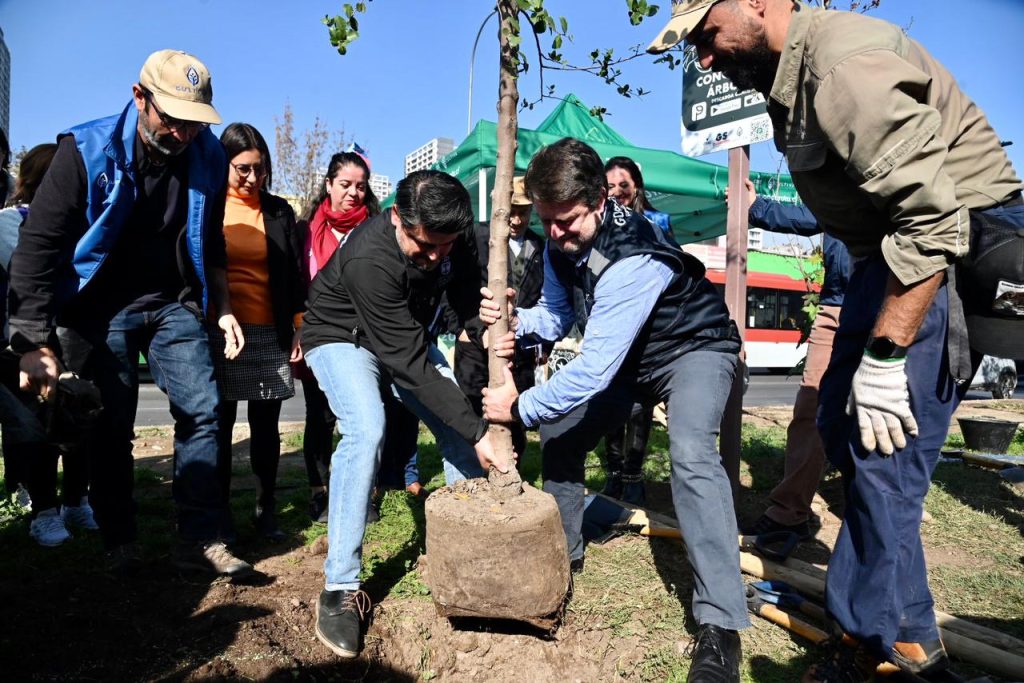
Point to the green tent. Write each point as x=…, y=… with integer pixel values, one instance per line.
x=692, y=192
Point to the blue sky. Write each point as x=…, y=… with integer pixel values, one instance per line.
x=405, y=80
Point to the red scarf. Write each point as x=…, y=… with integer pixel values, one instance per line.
x=322, y=236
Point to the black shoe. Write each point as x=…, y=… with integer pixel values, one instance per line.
x=339, y=620
x=613, y=485
x=766, y=525
x=318, y=507
x=716, y=656
x=373, y=511
x=846, y=661
x=265, y=521
x=634, y=493
x=576, y=566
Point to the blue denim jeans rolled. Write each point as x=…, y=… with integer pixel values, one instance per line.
x=354, y=381
x=176, y=346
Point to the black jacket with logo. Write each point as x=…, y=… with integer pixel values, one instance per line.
x=370, y=294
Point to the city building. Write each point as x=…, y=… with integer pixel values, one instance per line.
x=380, y=184
x=427, y=155
x=5, y=86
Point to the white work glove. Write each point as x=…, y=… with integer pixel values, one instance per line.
x=880, y=401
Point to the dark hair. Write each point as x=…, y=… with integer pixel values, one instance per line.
x=242, y=137
x=338, y=162
x=566, y=171
x=435, y=200
x=31, y=171
x=640, y=202
x=5, y=148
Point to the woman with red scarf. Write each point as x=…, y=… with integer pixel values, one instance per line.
x=344, y=203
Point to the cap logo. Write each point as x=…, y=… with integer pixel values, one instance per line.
x=192, y=75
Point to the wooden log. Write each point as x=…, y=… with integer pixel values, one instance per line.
x=993, y=651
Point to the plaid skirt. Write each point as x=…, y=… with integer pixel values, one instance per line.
x=260, y=372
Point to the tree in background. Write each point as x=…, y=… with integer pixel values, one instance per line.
x=299, y=167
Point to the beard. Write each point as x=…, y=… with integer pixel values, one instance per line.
x=167, y=145
x=754, y=67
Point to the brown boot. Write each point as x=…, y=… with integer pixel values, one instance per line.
x=921, y=658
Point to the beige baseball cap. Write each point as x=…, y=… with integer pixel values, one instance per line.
x=180, y=85
x=519, y=196
x=685, y=15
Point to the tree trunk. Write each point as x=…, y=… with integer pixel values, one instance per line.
x=501, y=203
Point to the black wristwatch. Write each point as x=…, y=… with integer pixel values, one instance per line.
x=514, y=410
x=884, y=348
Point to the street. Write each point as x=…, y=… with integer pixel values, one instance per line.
x=764, y=390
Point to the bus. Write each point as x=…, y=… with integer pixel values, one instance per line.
x=775, y=316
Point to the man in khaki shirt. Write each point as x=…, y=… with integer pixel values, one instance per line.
x=896, y=161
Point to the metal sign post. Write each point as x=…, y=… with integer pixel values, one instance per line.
x=718, y=116
x=736, y=299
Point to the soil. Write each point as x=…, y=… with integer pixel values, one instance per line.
x=482, y=545
x=72, y=621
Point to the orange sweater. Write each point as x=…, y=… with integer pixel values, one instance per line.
x=248, y=276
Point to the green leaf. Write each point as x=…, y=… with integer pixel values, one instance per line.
x=565, y=24
x=556, y=42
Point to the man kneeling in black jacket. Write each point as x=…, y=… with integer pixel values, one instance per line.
x=364, y=335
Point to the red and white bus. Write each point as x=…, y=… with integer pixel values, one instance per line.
x=775, y=315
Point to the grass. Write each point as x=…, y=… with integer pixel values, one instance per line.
x=634, y=590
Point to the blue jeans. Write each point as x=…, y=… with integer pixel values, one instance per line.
x=354, y=382
x=175, y=344
x=695, y=386
x=877, y=584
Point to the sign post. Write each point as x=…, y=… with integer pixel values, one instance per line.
x=717, y=116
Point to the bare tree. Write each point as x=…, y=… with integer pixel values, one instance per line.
x=299, y=166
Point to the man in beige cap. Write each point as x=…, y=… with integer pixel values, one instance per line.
x=526, y=276
x=898, y=163
x=123, y=255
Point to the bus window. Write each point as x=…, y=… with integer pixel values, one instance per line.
x=762, y=308
x=791, y=314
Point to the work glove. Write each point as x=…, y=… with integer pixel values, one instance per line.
x=880, y=401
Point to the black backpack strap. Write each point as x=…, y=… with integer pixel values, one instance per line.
x=957, y=344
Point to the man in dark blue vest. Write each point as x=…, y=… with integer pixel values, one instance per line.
x=121, y=255
x=654, y=330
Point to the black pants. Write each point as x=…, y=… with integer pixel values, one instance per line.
x=318, y=435
x=264, y=445
x=471, y=374
x=626, y=447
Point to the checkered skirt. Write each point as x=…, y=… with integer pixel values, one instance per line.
x=260, y=372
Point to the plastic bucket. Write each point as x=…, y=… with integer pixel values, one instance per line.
x=987, y=434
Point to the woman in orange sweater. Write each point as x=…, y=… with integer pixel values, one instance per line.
x=267, y=296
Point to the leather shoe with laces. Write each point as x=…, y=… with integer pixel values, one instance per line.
x=214, y=558
x=339, y=620
x=846, y=661
x=716, y=656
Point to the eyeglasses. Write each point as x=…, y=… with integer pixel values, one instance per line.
x=243, y=170
x=171, y=123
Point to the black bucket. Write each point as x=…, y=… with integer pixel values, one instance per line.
x=987, y=434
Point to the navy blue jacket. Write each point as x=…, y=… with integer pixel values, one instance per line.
x=792, y=219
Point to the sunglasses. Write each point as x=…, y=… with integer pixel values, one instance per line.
x=171, y=123
x=243, y=170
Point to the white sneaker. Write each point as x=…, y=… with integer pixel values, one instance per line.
x=22, y=498
x=79, y=515
x=48, y=529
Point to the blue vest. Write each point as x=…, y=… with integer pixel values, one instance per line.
x=107, y=147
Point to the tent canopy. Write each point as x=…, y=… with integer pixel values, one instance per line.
x=692, y=192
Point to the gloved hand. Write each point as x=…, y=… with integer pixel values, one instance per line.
x=880, y=401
